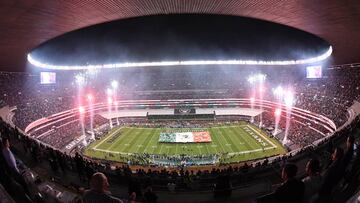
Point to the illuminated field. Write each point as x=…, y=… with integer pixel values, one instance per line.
x=233, y=143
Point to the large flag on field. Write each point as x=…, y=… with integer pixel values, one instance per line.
x=167, y=137
x=203, y=136
x=185, y=137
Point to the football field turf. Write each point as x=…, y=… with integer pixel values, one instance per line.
x=235, y=143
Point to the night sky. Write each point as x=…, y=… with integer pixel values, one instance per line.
x=180, y=37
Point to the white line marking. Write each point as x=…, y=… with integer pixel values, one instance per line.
x=150, y=141
x=249, y=151
x=265, y=138
x=113, y=152
x=234, y=153
x=116, y=131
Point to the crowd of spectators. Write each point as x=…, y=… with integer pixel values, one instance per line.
x=330, y=96
x=321, y=181
x=341, y=167
x=300, y=133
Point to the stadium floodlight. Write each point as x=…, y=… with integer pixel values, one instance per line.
x=80, y=79
x=81, y=110
x=314, y=59
x=114, y=84
x=252, y=99
x=116, y=103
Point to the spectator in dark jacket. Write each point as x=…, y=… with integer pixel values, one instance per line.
x=349, y=151
x=292, y=190
x=332, y=175
x=313, y=181
x=150, y=196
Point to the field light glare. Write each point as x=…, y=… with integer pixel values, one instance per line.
x=90, y=97
x=277, y=112
x=261, y=89
x=289, y=98
x=92, y=71
x=256, y=78
x=251, y=79
x=261, y=77
x=80, y=79
x=114, y=84
x=109, y=91
x=109, y=100
x=81, y=110
x=278, y=91
x=252, y=99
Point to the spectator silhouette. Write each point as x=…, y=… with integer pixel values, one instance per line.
x=99, y=191
x=313, y=181
x=150, y=196
x=348, y=155
x=292, y=190
x=223, y=187
x=332, y=175
x=9, y=156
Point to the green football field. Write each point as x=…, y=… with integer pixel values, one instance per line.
x=233, y=143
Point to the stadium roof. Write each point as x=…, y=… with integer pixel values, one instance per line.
x=26, y=24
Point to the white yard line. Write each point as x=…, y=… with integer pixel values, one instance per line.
x=223, y=141
x=249, y=151
x=176, y=149
x=150, y=141
x=116, y=131
x=234, y=153
x=113, y=152
x=265, y=138
x=162, y=144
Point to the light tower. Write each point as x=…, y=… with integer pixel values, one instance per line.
x=82, y=115
x=115, y=85
x=252, y=101
x=278, y=94
x=90, y=99
x=289, y=101
x=109, y=104
x=277, y=115
x=257, y=81
x=80, y=83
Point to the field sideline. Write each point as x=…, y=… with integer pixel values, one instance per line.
x=235, y=143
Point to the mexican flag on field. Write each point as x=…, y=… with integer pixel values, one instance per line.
x=185, y=137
